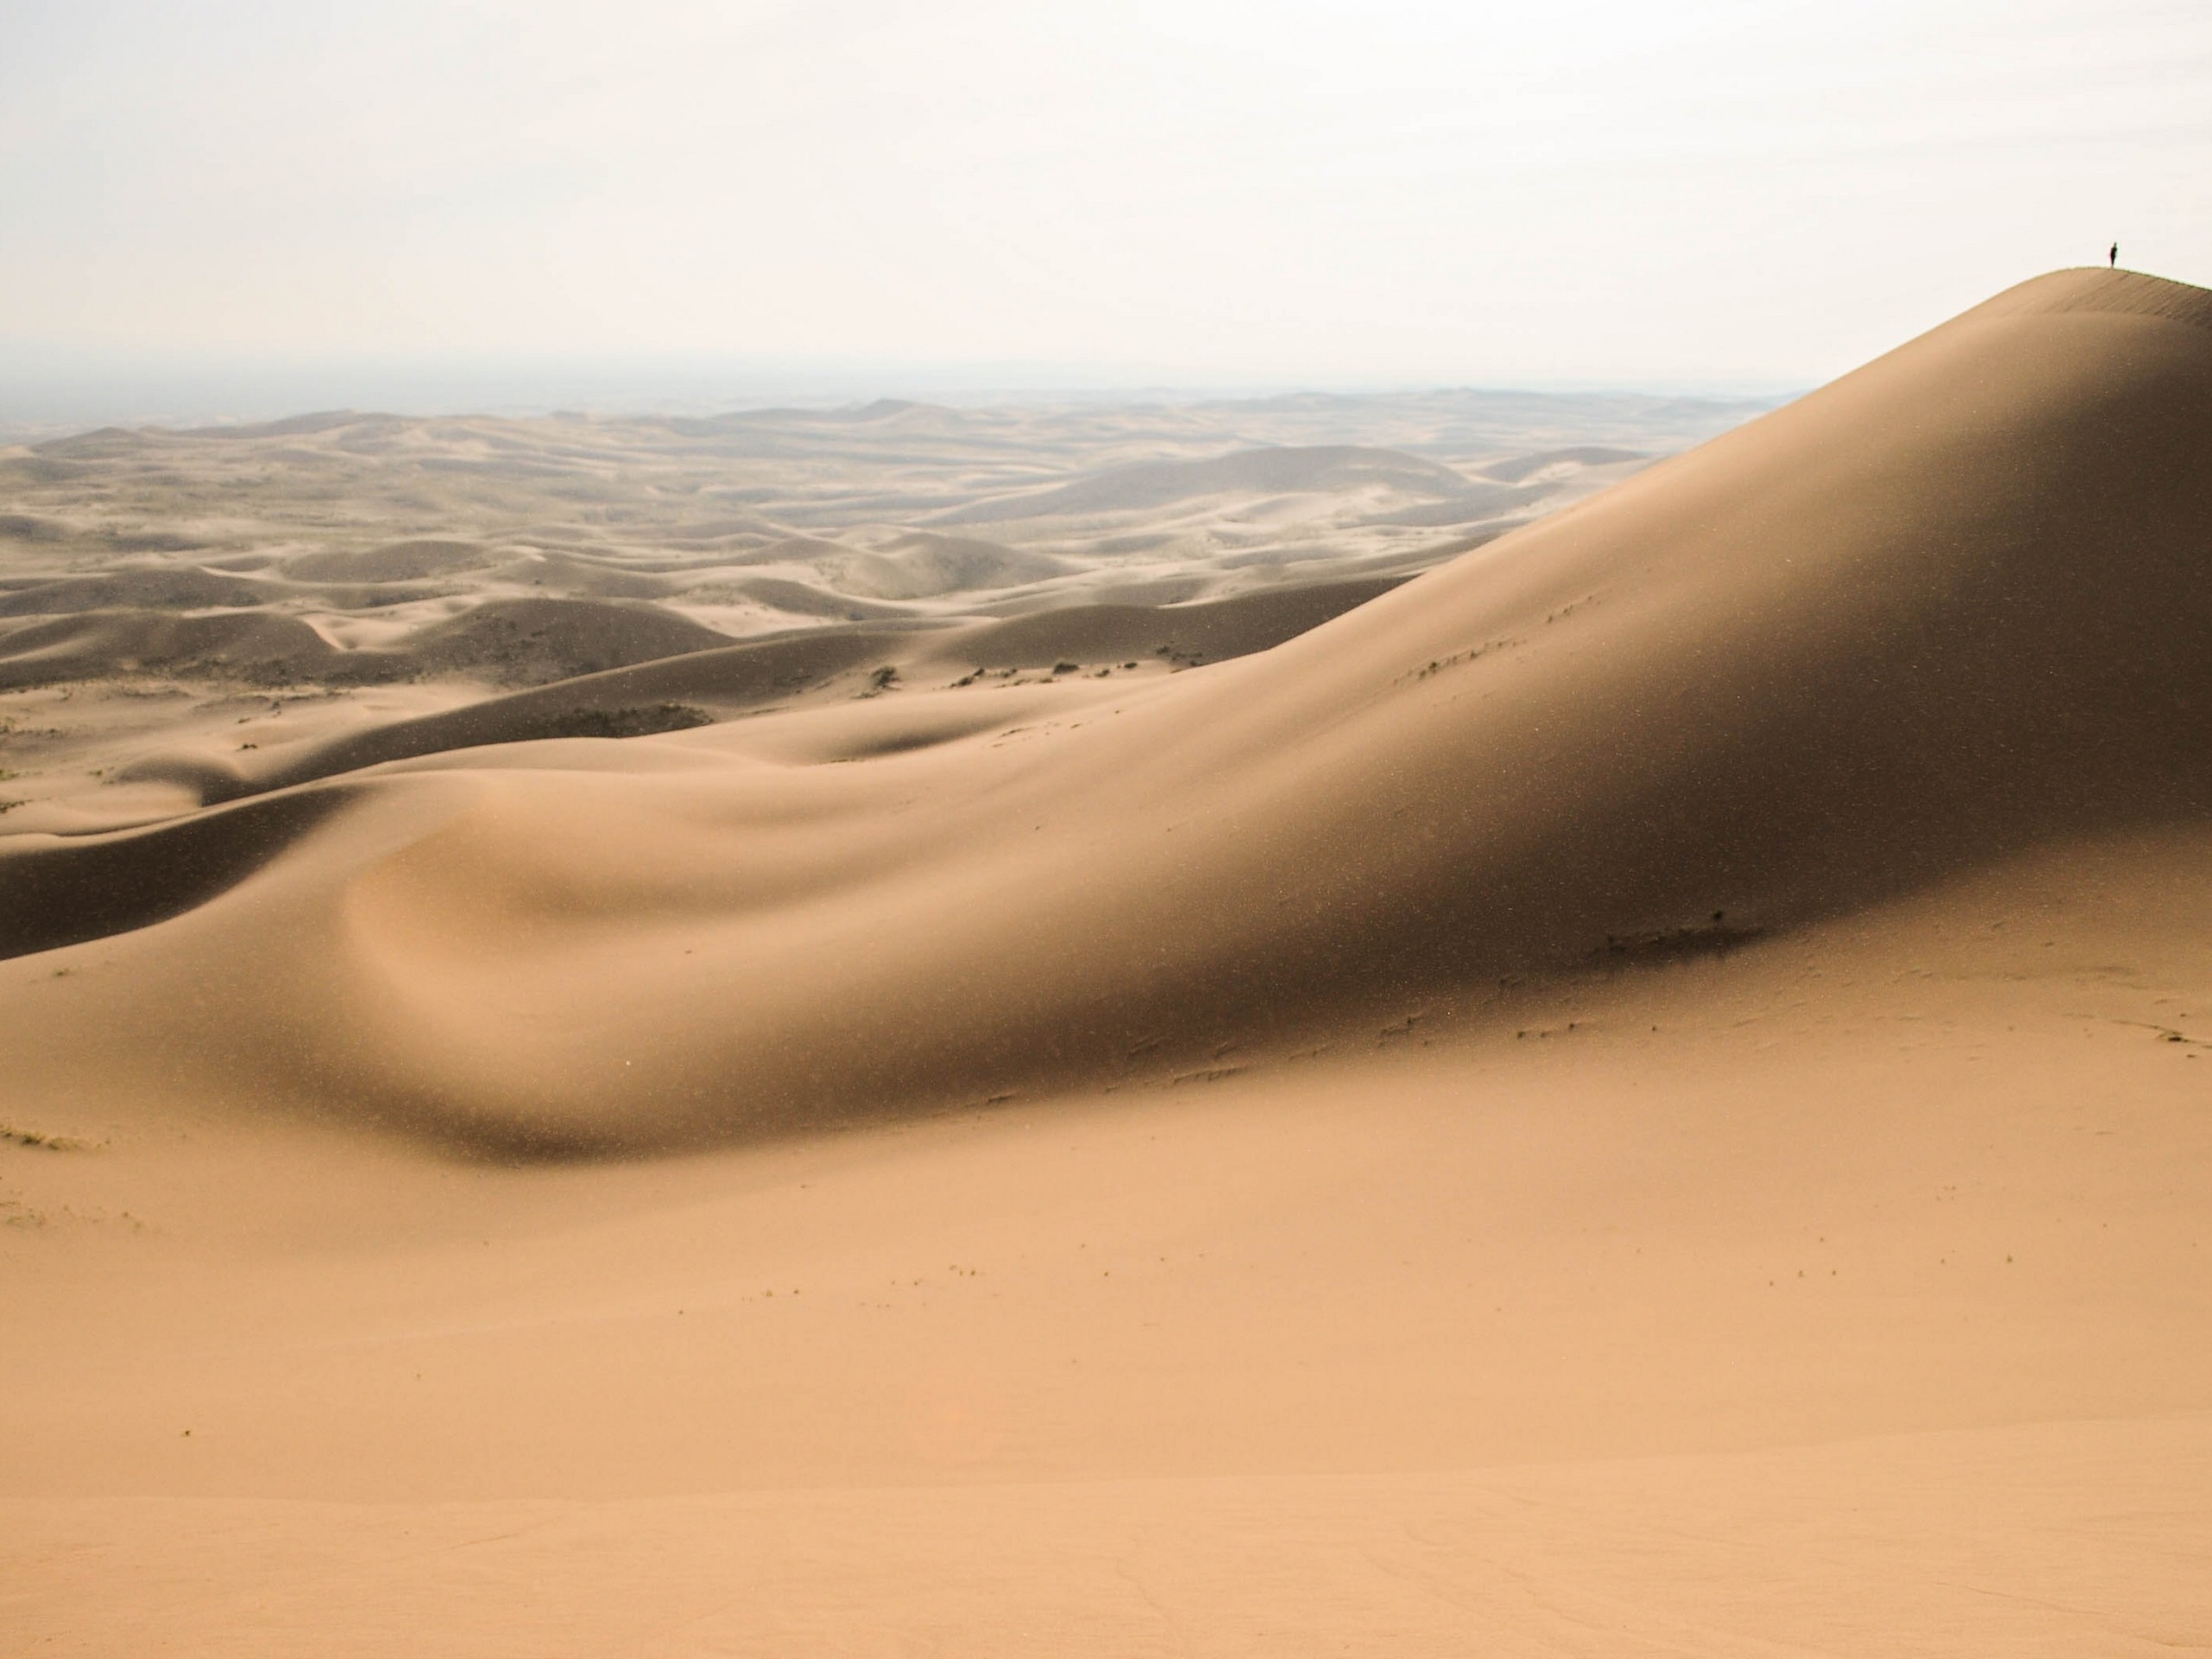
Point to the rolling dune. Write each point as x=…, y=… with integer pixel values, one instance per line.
x=1641, y=1090
x=1276, y=471
x=1936, y=614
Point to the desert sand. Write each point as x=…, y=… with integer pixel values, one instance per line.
x=1271, y=1044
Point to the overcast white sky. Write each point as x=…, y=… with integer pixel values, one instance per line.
x=1617, y=192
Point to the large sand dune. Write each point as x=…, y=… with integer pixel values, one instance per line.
x=1936, y=614
x=1638, y=1091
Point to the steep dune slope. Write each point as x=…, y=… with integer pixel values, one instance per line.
x=1948, y=609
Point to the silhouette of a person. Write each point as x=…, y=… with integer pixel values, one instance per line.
x=2113, y=259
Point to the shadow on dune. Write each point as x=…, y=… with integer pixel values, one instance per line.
x=56, y=892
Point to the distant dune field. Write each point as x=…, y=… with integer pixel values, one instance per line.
x=1256, y=1044
x=171, y=601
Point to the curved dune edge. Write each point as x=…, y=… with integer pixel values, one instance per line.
x=675, y=692
x=92, y=886
x=1945, y=610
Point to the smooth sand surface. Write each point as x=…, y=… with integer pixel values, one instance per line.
x=1640, y=1092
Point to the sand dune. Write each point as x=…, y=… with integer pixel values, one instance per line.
x=921, y=566
x=1832, y=1293
x=1638, y=1090
x=503, y=641
x=478, y=506
x=160, y=589
x=399, y=561
x=525, y=641
x=1514, y=469
x=1831, y=656
x=676, y=690
x=364, y=572
x=1273, y=471
x=1181, y=634
x=235, y=645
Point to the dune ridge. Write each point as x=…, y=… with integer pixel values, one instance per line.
x=504, y=641
x=1282, y=469
x=1941, y=612
x=675, y=689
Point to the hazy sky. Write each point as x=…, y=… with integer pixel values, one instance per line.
x=1580, y=191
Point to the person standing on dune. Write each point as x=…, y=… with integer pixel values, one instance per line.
x=2113, y=258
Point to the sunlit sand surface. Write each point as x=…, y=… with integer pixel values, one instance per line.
x=1634, y=1084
